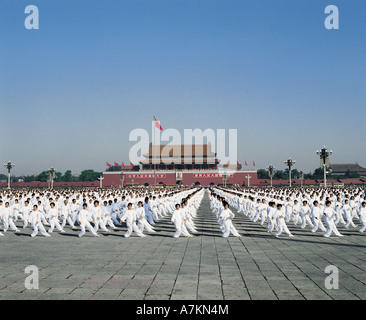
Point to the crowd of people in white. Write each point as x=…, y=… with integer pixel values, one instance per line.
x=140, y=209
x=276, y=207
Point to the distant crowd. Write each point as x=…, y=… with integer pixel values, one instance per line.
x=309, y=207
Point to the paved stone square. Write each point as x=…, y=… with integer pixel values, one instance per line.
x=256, y=266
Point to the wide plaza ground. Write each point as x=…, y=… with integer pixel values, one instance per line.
x=256, y=266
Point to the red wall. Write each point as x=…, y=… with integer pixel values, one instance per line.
x=114, y=178
x=38, y=184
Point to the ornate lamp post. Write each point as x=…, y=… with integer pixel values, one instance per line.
x=248, y=177
x=51, y=176
x=290, y=163
x=101, y=181
x=122, y=178
x=9, y=166
x=301, y=177
x=225, y=179
x=324, y=161
x=271, y=173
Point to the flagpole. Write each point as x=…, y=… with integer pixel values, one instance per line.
x=154, y=153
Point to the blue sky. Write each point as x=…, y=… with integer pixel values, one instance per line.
x=72, y=91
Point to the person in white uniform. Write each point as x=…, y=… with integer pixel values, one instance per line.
x=97, y=218
x=279, y=215
x=296, y=211
x=149, y=216
x=177, y=220
x=329, y=217
x=8, y=216
x=130, y=217
x=65, y=214
x=1, y=214
x=52, y=216
x=271, y=221
x=84, y=223
x=305, y=215
x=347, y=212
x=106, y=217
x=24, y=213
x=362, y=217
x=187, y=218
x=74, y=209
x=226, y=217
x=35, y=219
x=142, y=222
x=263, y=211
x=316, y=214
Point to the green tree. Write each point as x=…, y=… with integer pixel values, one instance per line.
x=58, y=176
x=67, y=177
x=280, y=175
x=295, y=174
x=43, y=176
x=30, y=178
x=308, y=176
x=89, y=175
x=318, y=173
x=262, y=174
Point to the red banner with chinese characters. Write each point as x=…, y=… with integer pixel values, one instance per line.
x=142, y=176
x=211, y=175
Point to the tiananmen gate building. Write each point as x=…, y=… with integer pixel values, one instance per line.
x=180, y=164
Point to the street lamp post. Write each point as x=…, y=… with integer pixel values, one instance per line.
x=122, y=179
x=271, y=172
x=9, y=166
x=101, y=181
x=51, y=174
x=301, y=177
x=290, y=163
x=324, y=161
x=248, y=177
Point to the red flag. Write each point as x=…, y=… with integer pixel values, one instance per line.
x=253, y=163
x=108, y=165
x=131, y=164
x=237, y=162
x=123, y=164
x=246, y=163
x=116, y=164
x=157, y=124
